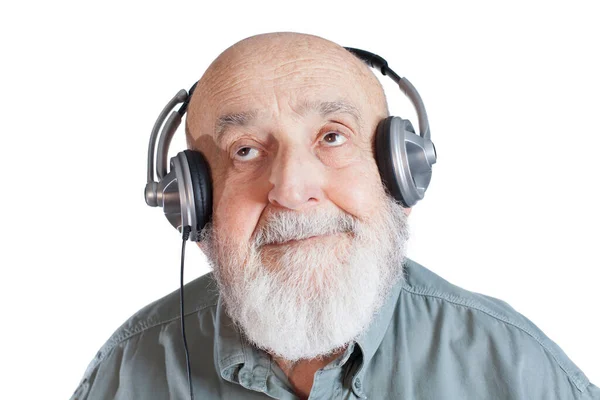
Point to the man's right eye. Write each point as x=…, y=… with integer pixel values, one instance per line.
x=246, y=154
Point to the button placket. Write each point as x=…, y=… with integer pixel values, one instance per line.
x=245, y=378
x=357, y=388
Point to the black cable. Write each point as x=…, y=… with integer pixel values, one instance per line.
x=185, y=236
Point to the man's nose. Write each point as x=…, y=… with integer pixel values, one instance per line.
x=297, y=180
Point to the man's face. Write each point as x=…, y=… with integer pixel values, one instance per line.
x=292, y=133
x=287, y=129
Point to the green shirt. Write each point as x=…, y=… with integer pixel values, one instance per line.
x=430, y=340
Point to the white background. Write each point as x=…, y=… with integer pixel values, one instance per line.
x=512, y=212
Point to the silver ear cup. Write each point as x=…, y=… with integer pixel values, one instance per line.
x=185, y=193
x=404, y=160
x=176, y=196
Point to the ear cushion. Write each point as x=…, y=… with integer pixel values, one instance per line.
x=201, y=185
x=385, y=146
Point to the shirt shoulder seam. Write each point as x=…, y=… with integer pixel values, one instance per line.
x=139, y=328
x=579, y=383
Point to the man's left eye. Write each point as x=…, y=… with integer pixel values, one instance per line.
x=333, y=139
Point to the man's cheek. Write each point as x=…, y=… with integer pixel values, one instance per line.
x=237, y=217
x=355, y=192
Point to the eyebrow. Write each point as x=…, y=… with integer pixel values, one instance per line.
x=234, y=119
x=327, y=108
x=324, y=109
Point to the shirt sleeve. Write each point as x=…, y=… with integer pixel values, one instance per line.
x=102, y=378
x=592, y=392
x=545, y=374
x=146, y=365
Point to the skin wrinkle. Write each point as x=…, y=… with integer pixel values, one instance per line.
x=297, y=75
x=295, y=173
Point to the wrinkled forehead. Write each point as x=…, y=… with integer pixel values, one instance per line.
x=285, y=83
x=291, y=81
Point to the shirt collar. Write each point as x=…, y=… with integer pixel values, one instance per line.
x=230, y=350
x=370, y=340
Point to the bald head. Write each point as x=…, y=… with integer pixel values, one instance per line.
x=266, y=65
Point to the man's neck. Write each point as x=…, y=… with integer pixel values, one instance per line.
x=301, y=374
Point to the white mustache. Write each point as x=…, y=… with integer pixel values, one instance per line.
x=282, y=227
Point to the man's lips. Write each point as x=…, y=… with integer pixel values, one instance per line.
x=299, y=241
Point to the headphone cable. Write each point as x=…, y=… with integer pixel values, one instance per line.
x=185, y=236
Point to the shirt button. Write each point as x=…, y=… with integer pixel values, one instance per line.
x=357, y=384
x=245, y=378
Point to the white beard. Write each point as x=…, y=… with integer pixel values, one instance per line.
x=310, y=299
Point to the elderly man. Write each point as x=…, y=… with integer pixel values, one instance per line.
x=311, y=295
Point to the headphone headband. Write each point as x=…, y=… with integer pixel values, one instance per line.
x=378, y=62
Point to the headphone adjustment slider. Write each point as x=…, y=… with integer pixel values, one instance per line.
x=150, y=194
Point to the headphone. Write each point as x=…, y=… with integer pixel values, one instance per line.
x=403, y=157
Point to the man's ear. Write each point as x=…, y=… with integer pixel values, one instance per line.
x=407, y=211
